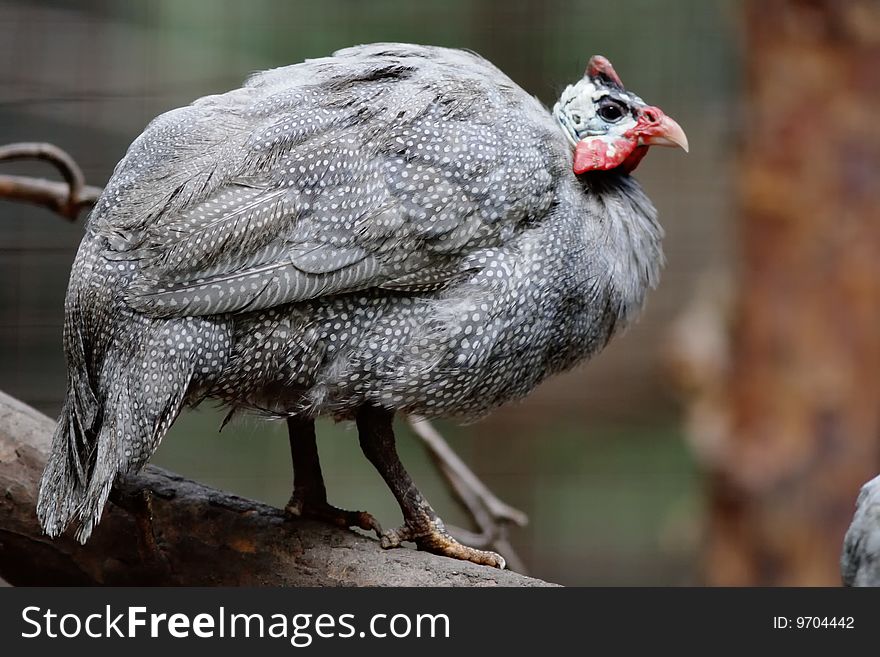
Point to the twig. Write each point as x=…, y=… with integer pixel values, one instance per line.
x=67, y=199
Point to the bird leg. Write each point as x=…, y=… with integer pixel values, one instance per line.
x=421, y=523
x=309, y=499
x=490, y=514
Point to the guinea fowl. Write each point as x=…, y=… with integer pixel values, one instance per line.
x=395, y=228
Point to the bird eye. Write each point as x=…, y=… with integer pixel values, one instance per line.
x=611, y=110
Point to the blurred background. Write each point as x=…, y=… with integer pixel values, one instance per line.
x=723, y=439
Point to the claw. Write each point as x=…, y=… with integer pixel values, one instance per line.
x=298, y=508
x=434, y=538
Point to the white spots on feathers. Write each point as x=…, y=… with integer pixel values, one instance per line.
x=344, y=232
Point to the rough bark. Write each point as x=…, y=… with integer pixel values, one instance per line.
x=160, y=529
x=801, y=398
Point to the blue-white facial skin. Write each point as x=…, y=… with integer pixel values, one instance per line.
x=589, y=109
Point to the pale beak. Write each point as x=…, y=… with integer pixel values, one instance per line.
x=654, y=128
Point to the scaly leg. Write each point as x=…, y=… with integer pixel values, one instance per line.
x=309, y=499
x=421, y=523
x=490, y=514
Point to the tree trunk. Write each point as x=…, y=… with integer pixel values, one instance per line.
x=802, y=397
x=160, y=529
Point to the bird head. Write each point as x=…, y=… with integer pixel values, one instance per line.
x=609, y=127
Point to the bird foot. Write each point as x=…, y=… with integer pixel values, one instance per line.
x=492, y=516
x=299, y=508
x=433, y=537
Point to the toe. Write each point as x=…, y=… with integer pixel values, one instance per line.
x=297, y=508
x=294, y=509
x=456, y=550
x=492, y=559
x=433, y=537
x=366, y=521
x=394, y=537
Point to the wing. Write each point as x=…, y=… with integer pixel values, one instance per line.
x=382, y=167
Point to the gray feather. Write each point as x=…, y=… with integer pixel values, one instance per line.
x=395, y=225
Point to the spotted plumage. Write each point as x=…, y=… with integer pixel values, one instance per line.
x=394, y=226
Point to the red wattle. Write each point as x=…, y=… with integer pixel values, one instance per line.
x=594, y=154
x=632, y=160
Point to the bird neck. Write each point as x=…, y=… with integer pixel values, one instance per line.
x=629, y=235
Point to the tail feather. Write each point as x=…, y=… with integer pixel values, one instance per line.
x=107, y=464
x=91, y=448
x=67, y=472
x=128, y=377
x=62, y=484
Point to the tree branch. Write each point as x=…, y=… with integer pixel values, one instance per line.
x=67, y=199
x=161, y=529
